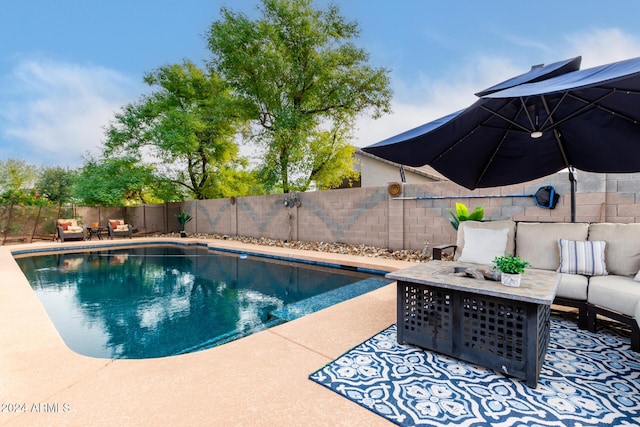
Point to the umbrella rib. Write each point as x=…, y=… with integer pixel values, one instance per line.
x=550, y=114
x=589, y=105
x=506, y=119
x=609, y=110
x=504, y=136
x=486, y=167
x=439, y=156
x=526, y=111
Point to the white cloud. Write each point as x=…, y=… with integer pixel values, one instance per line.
x=602, y=46
x=417, y=103
x=57, y=111
x=429, y=99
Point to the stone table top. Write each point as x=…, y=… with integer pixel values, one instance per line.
x=537, y=286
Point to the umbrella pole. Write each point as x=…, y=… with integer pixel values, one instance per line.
x=572, y=180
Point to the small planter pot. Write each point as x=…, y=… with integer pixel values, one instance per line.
x=183, y=234
x=512, y=280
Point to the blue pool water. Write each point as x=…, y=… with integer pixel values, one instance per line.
x=154, y=301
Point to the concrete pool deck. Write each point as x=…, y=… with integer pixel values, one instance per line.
x=260, y=380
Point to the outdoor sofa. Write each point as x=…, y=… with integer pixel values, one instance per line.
x=598, y=263
x=70, y=229
x=118, y=228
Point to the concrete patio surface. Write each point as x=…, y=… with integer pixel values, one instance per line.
x=260, y=380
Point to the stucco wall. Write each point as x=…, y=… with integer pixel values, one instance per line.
x=376, y=173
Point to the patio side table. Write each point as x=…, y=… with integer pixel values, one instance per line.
x=479, y=321
x=96, y=231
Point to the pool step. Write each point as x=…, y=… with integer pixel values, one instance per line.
x=327, y=299
x=298, y=309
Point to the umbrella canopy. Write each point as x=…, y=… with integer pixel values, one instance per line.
x=536, y=74
x=587, y=119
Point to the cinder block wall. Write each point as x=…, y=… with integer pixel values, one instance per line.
x=371, y=216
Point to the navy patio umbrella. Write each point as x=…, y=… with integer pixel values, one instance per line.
x=585, y=119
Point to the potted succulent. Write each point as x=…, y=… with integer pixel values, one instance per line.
x=511, y=269
x=183, y=219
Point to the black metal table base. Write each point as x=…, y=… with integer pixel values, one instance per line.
x=96, y=231
x=506, y=335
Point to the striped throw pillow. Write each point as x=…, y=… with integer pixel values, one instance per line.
x=582, y=257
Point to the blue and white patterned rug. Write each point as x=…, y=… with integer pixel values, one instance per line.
x=587, y=380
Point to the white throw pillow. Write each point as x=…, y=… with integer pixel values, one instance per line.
x=482, y=245
x=582, y=257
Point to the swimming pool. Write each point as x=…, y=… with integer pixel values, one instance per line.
x=155, y=301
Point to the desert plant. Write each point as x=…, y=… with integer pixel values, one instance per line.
x=510, y=264
x=183, y=219
x=462, y=214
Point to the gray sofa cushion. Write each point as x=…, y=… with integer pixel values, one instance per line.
x=573, y=286
x=537, y=243
x=617, y=293
x=492, y=225
x=622, y=254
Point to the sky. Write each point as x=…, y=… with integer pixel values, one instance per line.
x=67, y=66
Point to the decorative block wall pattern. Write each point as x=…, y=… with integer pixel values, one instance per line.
x=371, y=216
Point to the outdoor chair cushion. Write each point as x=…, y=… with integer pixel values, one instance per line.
x=490, y=225
x=623, y=246
x=70, y=226
x=115, y=223
x=537, y=242
x=65, y=225
x=481, y=245
x=573, y=286
x=617, y=293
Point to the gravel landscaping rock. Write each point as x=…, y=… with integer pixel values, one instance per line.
x=337, y=248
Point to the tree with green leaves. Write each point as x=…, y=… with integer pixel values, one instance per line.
x=56, y=184
x=185, y=129
x=16, y=174
x=305, y=82
x=117, y=182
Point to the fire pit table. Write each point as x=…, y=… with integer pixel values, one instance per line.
x=479, y=321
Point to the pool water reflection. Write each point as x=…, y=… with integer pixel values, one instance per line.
x=154, y=301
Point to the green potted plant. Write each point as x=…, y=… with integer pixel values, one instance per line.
x=183, y=219
x=511, y=269
x=462, y=214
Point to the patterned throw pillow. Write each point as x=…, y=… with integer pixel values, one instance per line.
x=582, y=257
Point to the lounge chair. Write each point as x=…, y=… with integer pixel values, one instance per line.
x=70, y=229
x=117, y=227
